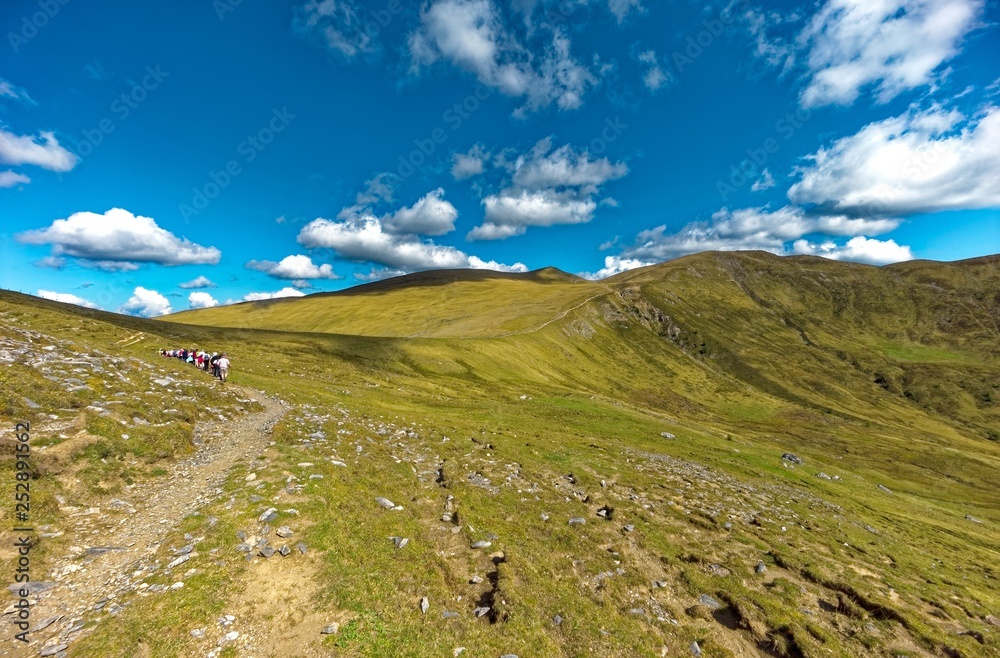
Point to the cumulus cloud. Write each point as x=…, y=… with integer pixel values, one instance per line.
x=750, y=228
x=615, y=265
x=891, y=45
x=146, y=303
x=622, y=8
x=338, y=24
x=362, y=238
x=919, y=162
x=293, y=267
x=431, y=215
x=654, y=78
x=198, y=282
x=378, y=188
x=764, y=182
x=118, y=237
x=546, y=187
x=284, y=292
x=66, y=298
x=42, y=151
x=471, y=35
x=859, y=249
x=10, y=178
x=471, y=163
x=202, y=300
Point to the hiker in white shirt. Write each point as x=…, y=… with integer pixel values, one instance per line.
x=223, y=365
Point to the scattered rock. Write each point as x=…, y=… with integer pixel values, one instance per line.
x=385, y=503
x=269, y=515
x=475, y=580
x=198, y=632
x=695, y=649
x=424, y=605
x=481, y=611
x=707, y=600
x=449, y=614
x=577, y=520
x=301, y=547
x=330, y=629
x=266, y=551
x=557, y=620
x=885, y=488
x=284, y=550
x=400, y=542
x=823, y=476
x=482, y=543
x=972, y=519
x=761, y=567
x=629, y=528
x=53, y=650
x=795, y=459
x=284, y=532
x=659, y=584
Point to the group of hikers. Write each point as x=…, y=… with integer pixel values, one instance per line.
x=215, y=362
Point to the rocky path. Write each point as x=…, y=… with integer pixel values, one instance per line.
x=114, y=544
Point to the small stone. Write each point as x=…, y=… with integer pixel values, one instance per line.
x=577, y=520
x=244, y=547
x=475, y=580
x=761, y=567
x=267, y=551
x=400, y=542
x=629, y=528
x=789, y=457
x=707, y=600
x=53, y=650
x=695, y=649
x=659, y=584
x=509, y=655
x=449, y=614
x=481, y=611
x=666, y=435
x=972, y=519
x=301, y=547
x=885, y=488
x=330, y=629
x=482, y=543
x=557, y=620
x=637, y=612
x=385, y=503
x=446, y=517
x=990, y=619
x=424, y=605
x=270, y=515
x=823, y=476
x=251, y=477
x=242, y=536
x=284, y=532
x=231, y=636
x=284, y=550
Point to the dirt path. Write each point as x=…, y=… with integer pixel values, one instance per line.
x=114, y=544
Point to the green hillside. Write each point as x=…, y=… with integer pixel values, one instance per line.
x=662, y=406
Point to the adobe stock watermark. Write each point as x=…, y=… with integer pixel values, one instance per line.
x=32, y=24
x=453, y=117
x=248, y=150
x=122, y=108
x=713, y=28
x=751, y=167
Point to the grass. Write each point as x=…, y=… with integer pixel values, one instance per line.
x=741, y=357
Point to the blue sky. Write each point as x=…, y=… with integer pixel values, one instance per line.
x=156, y=158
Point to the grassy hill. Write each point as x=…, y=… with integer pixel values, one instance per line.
x=662, y=406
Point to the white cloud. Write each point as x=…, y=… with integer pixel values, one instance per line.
x=377, y=274
x=202, y=300
x=362, y=238
x=378, y=188
x=772, y=50
x=859, y=249
x=338, y=24
x=198, y=282
x=469, y=164
x=654, y=78
x=53, y=262
x=622, y=8
x=294, y=267
x=146, y=303
x=471, y=35
x=922, y=161
x=430, y=215
x=749, y=228
x=547, y=187
x=889, y=44
x=765, y=182
x=118, y=236
x=42, y=151
x=615, y=265
x=66, y=298
x=10, y=178
x=110, y=265
x=9, y=90
x=284, y=292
